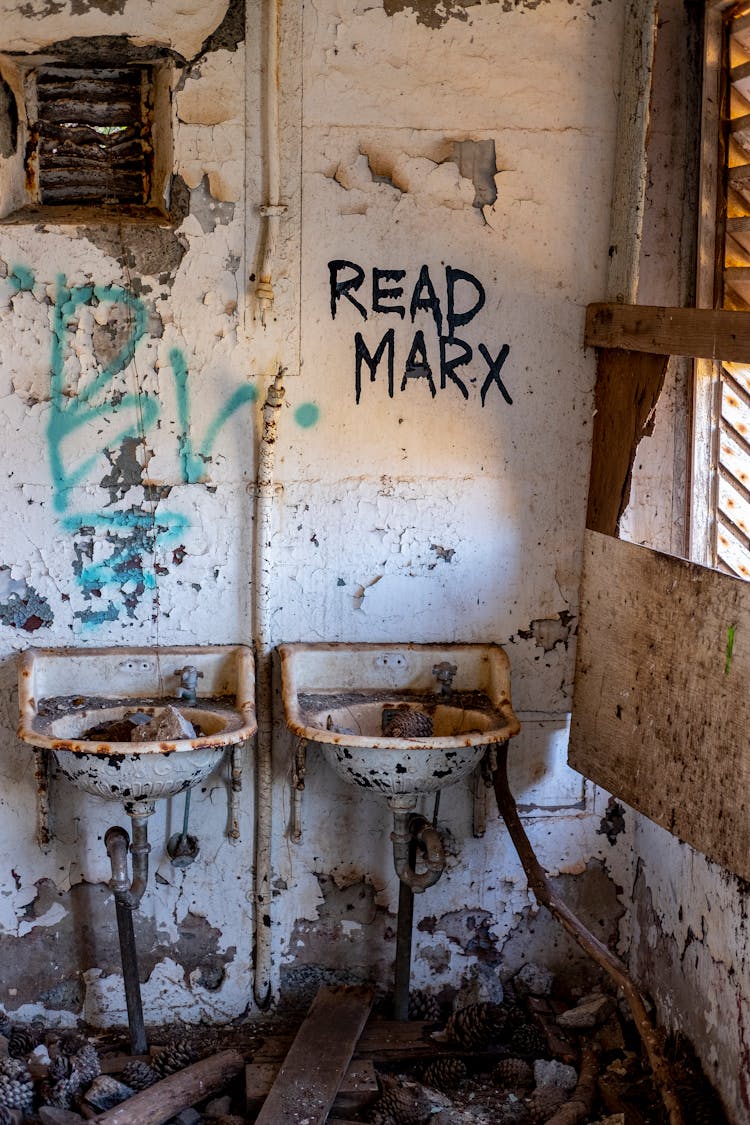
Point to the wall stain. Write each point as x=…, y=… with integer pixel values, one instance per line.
x=86, y=938
x=436, y=15
x=547, y=632
x=351, y=941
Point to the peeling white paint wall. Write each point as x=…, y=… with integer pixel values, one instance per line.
x=442, y=512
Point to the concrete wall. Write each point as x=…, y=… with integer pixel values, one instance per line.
x=466, y=148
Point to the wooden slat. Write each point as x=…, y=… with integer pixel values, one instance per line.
x=739, y=24
x=631, y=167
x=661, y=709
x=702, y=333
x=359, y=1085
x=739, y=176
x=737, y=73
x=740, y=124
x=628, y=385
x=311, y=1074
x=738, y=224
x=88, y=113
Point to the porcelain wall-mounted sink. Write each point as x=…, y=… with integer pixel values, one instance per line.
x=69, y=699
x=387, y=721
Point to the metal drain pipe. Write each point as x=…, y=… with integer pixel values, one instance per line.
x=128, y=895
x=263, y=584
x=411, y=834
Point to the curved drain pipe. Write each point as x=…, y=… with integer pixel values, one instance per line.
x=128, y=894
x=407, y=827
x=264, y=506
x=412, y=834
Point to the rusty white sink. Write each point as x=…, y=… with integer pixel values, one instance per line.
x=339, y=696
x=63, y=693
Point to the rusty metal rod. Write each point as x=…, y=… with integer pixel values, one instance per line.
x=597, y=950
x=131, y=980
x=404, y=928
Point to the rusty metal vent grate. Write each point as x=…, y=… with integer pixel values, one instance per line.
x=92, y=140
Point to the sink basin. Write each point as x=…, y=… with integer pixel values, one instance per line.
x=342, y=697
x=65, y=694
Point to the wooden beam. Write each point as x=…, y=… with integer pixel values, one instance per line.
x=661, y=708
x=631, y=167
x=628, y=385
x=308, y=1081
x=703, y=333
x=164, y=1099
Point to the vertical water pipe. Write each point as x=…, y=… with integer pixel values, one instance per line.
x=264, y=507
x=272, y=209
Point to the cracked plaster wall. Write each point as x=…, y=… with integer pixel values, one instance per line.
x=419, y=516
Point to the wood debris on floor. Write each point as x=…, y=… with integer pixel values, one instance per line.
x=526, y=1059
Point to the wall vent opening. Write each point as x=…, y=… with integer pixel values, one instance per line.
x=91, y=142
x=94, y=140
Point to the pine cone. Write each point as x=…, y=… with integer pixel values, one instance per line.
x=423, y=1006
x=444, y=1073
x=139, y=1075
x=64, y=1042
x=513, y=1074
x=5, y=1026
x=545, y=1102
x=59, y=1068
x=6, y=1117
x=59, y=1093
x=406, y=723
x=528, y=1039
x=22, y=1042
x=86, y=1063
x=401, y=1102
x=476, y=1024
x=16, y=1085
x=173, y=1056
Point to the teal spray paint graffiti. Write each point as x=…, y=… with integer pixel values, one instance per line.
x=132, y=536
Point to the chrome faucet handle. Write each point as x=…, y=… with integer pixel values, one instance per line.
x=444, y=673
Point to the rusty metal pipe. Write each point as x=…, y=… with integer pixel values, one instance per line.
x=128, y=894
x=408, y=826
x=117, y=842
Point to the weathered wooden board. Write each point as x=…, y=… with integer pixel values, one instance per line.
x=358, y=1086
x=661, y=709
x=628, y=386
x=381, y=1041
x=310, y=1076
x=704, y=333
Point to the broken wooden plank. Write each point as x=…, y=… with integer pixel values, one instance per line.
x=661, y=707
x=703, y=333
x=381, y=1041
x=164, y=1099
x=310, y=1076
x=628, y=386
x=359, y=1085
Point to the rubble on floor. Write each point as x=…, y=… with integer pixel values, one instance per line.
x=528, y=1059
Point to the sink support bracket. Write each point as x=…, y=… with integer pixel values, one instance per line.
x=299, y=768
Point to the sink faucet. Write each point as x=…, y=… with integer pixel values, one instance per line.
x=444, y=673
x=188, y=682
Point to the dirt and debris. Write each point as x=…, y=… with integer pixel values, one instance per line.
x=465, y=1065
